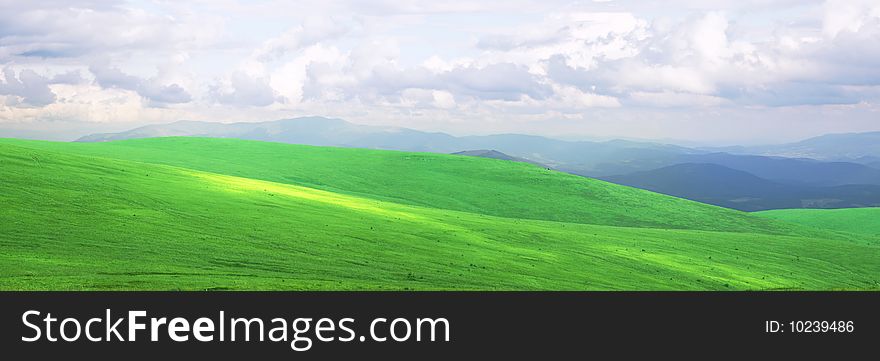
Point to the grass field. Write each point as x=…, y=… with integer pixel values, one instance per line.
x=194, y=213
x=469, y=184
x=865, y=221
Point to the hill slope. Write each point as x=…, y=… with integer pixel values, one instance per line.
x=494, y=154
x=86, y=222
x=591, y=159
x=470, y=184
x=854, y=220
x=569, y=155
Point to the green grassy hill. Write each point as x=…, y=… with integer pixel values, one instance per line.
x=864, y=221
x=469, y=184
x=188, y=213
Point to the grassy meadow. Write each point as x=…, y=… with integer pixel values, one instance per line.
x=210, y=214
x=863, y=221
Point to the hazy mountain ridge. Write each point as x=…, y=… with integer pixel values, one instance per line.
x=850, y=147
x=762, y=181
x=797, y=171
x=726, y=187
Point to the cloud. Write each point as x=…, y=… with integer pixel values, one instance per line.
x=152, y=89
x=442, y=99
x=110, y=77
x=486, y=65
x=701, y=61
x=167, y=94
x=503, y=81
x=31, y=89
x=848, y=16
x=534, y=38
x=69, y=77
x=29, y=86
x=671, y=99
x=245, y=90
x=312, y=31
x=35, y=31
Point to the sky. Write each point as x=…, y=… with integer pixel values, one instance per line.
x=710, y=72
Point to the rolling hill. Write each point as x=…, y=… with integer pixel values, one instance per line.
x=591, y=159
x=730, y=188
x=194, y=213
x=469, y=184
x=572, y=156
x=494, y=154
x=854, y=220
x=306, y=130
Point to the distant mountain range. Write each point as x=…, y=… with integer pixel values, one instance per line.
x=849, y=147
x=837, y=170
x=796, y=171
x=726, y=187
